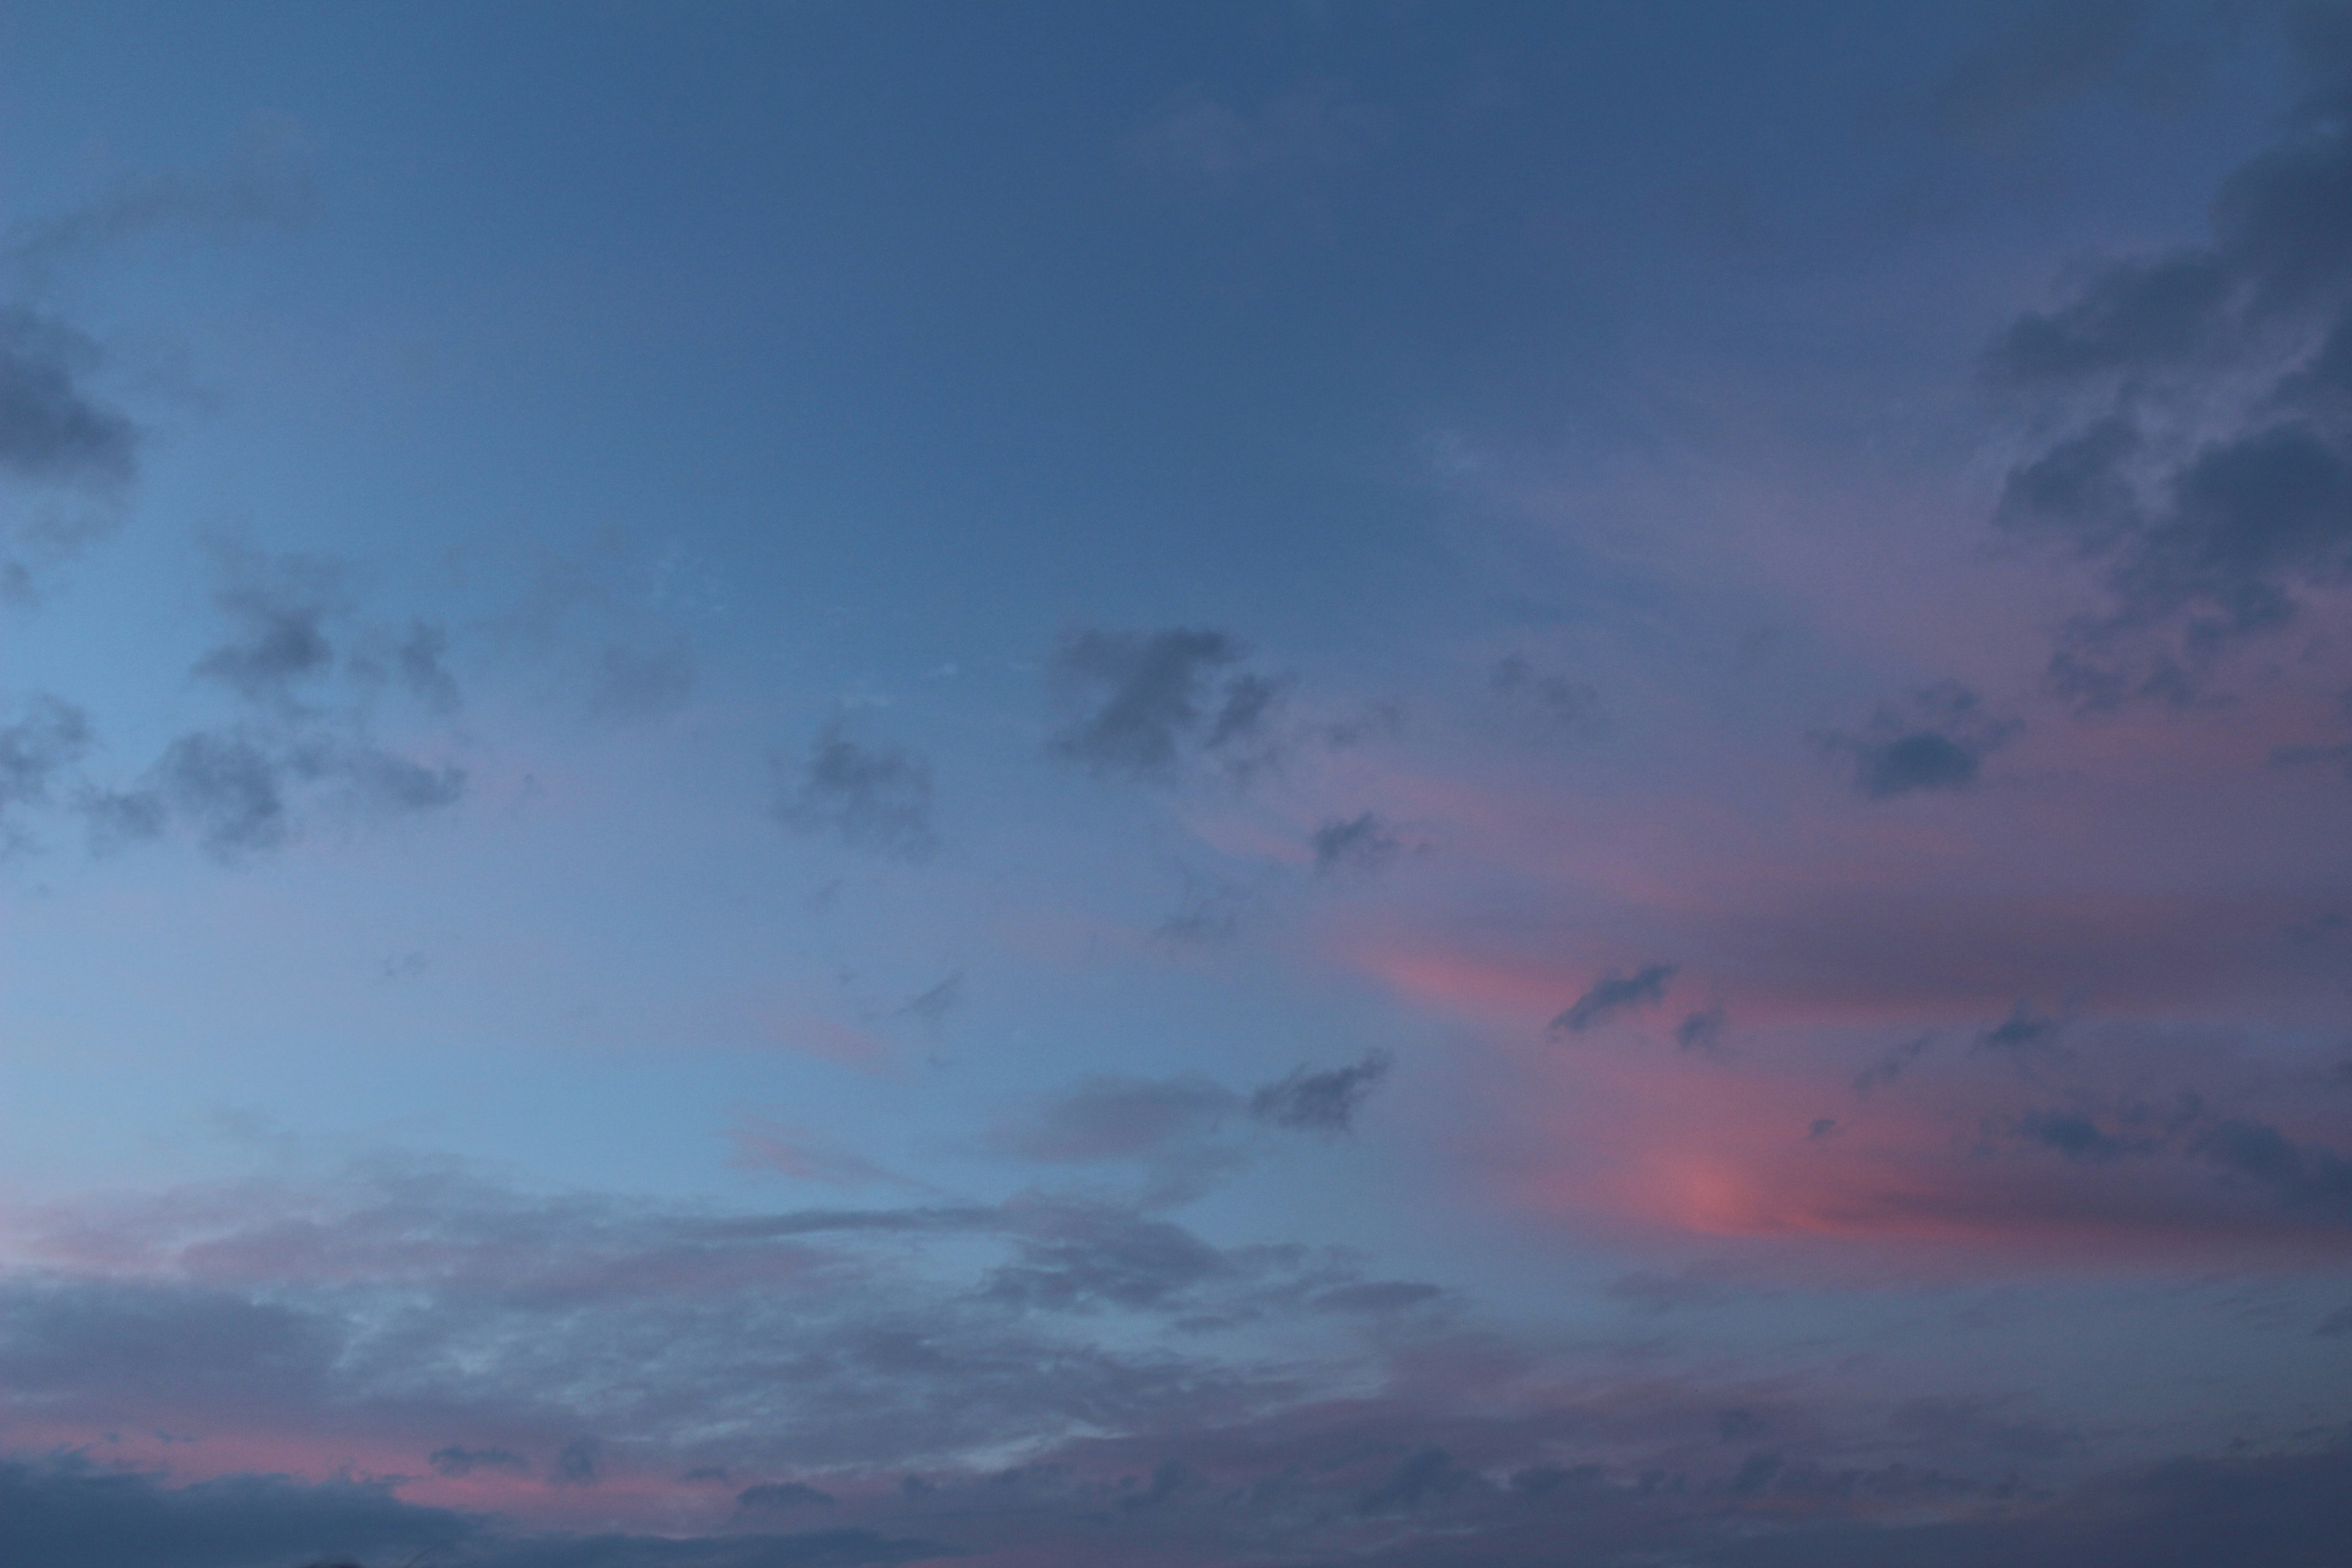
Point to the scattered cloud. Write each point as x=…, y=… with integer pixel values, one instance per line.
x=1320, y=1101
x=1937, y=740
x=2207, y=469
x=1360, y=843
x=1559, y=705
x=1701, y=1031
x=632, y=683
x=51, y=429
x=1613, y=993
x=1140, y=703
x=876, y=797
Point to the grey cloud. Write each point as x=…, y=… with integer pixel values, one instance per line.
x=2212, y=517
x=2338, y=1322
x=775, y=1497
x=2052, y=52
x=270, y=184
x=1937, y=740
x=50, y=429
x=1978, y=1423
x=874, y=797
x=1122, y=1119
x=1419, y=1479
x=419, y=662
x=1079, y=1256
x=1562, y=705
x=1324, y=1101
x=279, y=610
x=1891, y=1068
x=577, y=1464
x=641, y=683
x=1613, y=993
x=458, y=1460
x=70, y=1511
x=1701, y=1031
x=1363, y=843
x=235, y=789
x=934, y=1003
x=1140, y=700
x=2023, y=1031
x=44, y=739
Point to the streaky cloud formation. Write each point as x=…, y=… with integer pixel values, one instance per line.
x=1613, y=994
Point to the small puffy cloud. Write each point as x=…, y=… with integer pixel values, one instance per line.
x=44, y=739
x=1701, y=1031
x=1362, y=843
x=1140, y=702
x=1613, y=993
x=1559, y=704
x=876, y=797
x=1122, y=1119
x=1937, y=740
x=277, y=610
x=1320, y=1101
x=50, y=428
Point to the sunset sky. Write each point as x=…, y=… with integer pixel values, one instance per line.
x=1307, y=784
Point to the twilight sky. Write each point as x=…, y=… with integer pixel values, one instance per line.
x=1317, y=785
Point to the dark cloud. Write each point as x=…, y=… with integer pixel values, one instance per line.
x=2049, y=53
x=278, y=611
x=1613, y=993
x=577, y=1464
x=38, y=746
x=2212, y=514
x=1561, y=704
x=1937, y=740
x=419, y=662
x=2338, y=1322
x=775, y=1497
x=1140, y=700
x=1419, y=1479
x=1891, y=1068
x=50, y=429
x=874, y=797
x=70, y=1511
x=2023, y=1031
x=269, y=184
x=1701, y=1031
x=935, y=1002
x=457, y=1460
x=1324, y=1101
x=1361, y=843
x=1122, y=1119
x=641, y=682
x=235, y=789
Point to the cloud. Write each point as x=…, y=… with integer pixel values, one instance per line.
x=1562, y=705
x=1122, y=1119
x=775, y=1497
x=1140, y=701
x=874, y=797
x=1891, y=1068
x=2023, y=1031
x=1613, y=994
x=2049, y=53
x=38, y=746
x=236, y=788
x=641, y=683
x=1361, y=843
x=1324, y=1101
x=2203, y=456
x=1937, y=740
x=277, y=609
x=50, y=428
x=1701, y=1031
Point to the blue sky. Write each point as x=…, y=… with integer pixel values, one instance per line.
x=1288, y=783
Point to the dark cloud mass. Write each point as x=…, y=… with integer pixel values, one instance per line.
x=1362, y=843
x=2214, y=512
x=1613, y=993
x=49, y=428
x=44, y=739
x=874, y=797
x=1324, y=1101
x=1937, y=740
x=1139, y=700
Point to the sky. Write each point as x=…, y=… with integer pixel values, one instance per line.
x=1307, y=784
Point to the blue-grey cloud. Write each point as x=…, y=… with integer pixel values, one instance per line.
x=1362, y=843
x=1320, y=1101
x=1613, y=993
x=1938, y=740
x=50, y=427
x=876, y=797
x=1138, y=701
